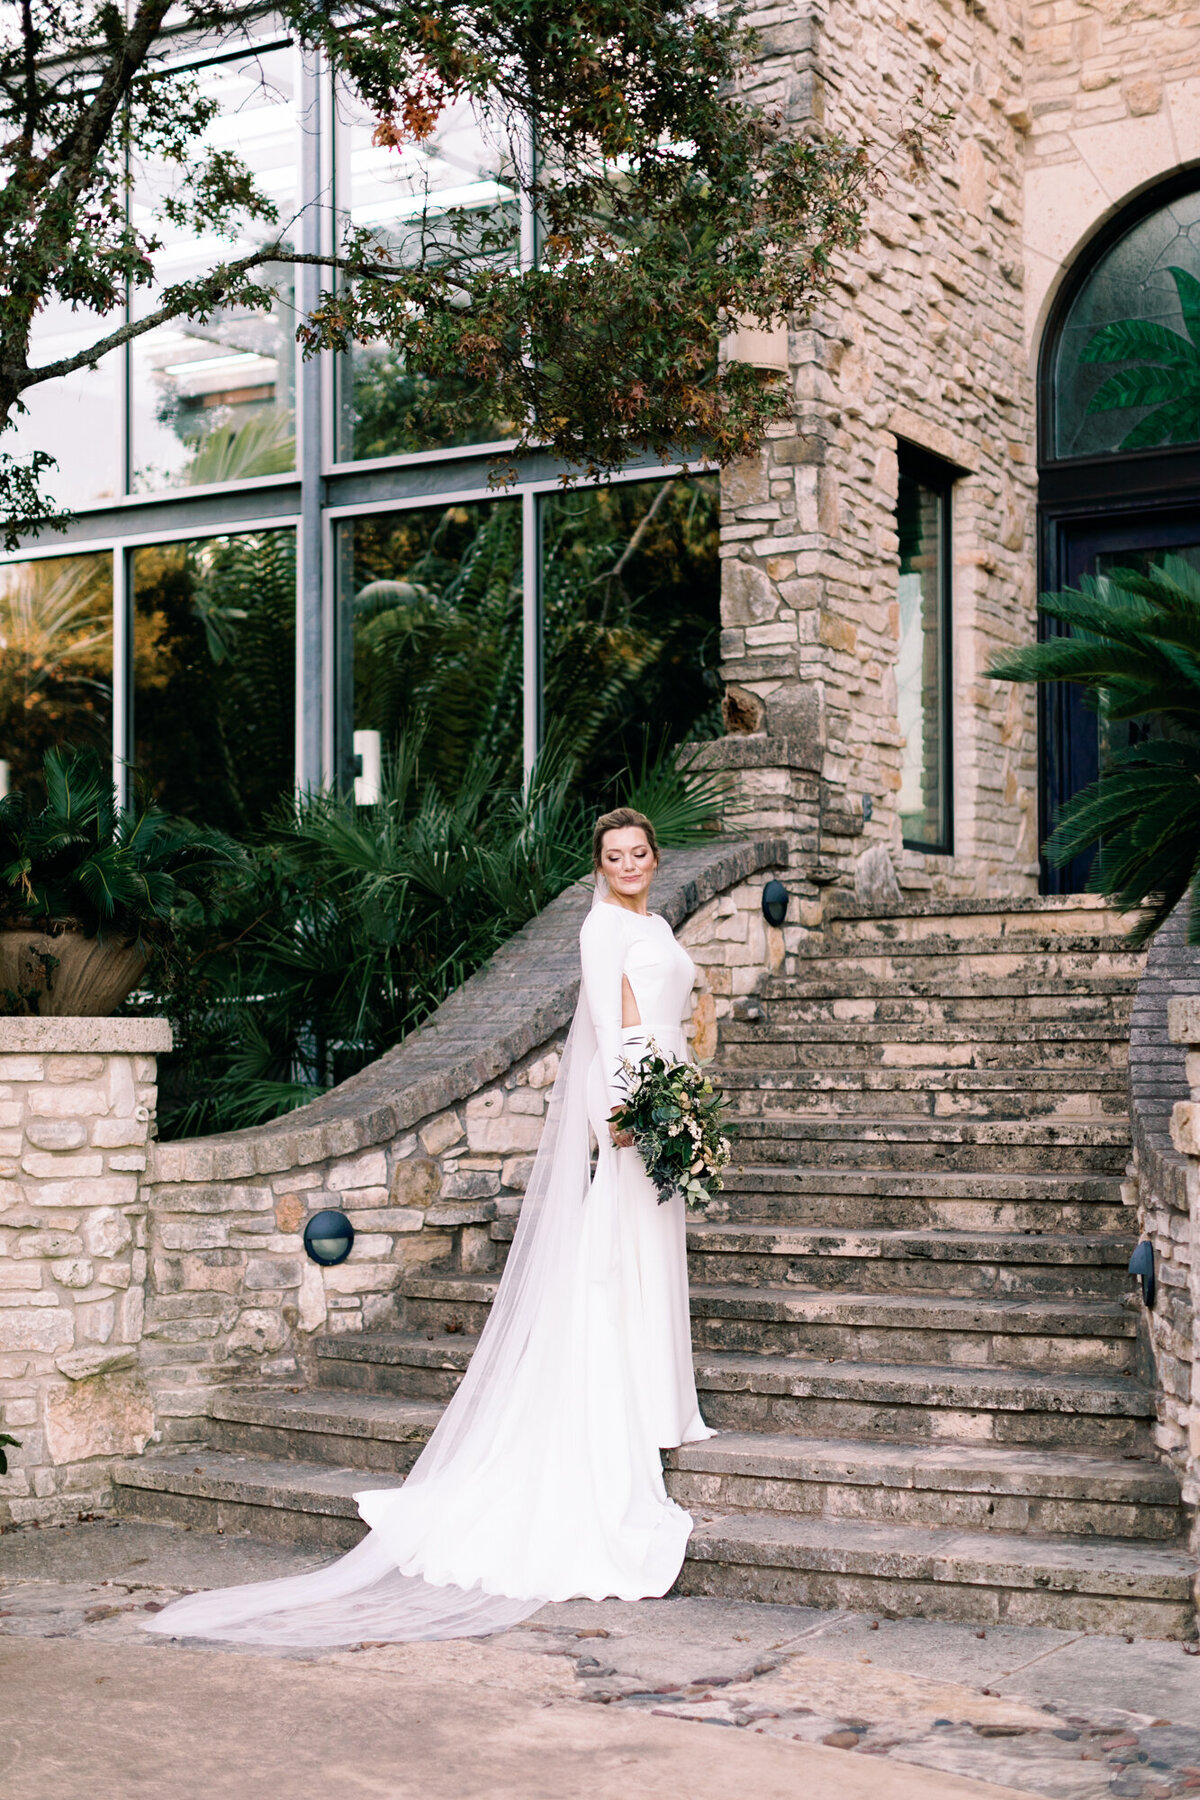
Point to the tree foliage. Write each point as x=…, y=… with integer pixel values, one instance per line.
x=668, y=205
x=345, y=926
x=1134, y=648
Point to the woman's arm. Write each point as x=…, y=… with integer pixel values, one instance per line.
x=602, y=952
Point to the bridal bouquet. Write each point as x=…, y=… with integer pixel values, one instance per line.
x=674, y=1113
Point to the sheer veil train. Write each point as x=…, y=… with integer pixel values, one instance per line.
x=542, y=1480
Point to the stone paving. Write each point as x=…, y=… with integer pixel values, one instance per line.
x=1054, y=1713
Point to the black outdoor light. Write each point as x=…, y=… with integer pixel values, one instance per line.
x=774, y=903
x=1141, y=1264
x=328, y=1238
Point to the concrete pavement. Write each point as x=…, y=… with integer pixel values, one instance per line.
x=597, y=1700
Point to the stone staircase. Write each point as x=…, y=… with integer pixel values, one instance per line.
x=914, y=1330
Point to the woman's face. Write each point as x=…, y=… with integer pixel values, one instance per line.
x=627, y=861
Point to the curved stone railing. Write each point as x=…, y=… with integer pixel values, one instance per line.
x=427, y=1151
x=1167, y=1162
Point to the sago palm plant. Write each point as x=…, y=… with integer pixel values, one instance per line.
x=80, y=858
x=1134, y=647
x=352, y=923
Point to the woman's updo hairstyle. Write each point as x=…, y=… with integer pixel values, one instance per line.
x=620, y=819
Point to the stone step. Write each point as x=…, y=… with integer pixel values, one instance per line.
x=986, y=1487
x=1007, y=1264
x=973, y=1487
x=975, y=1013
x=984, y=955
x=993, y=992
x=816, y=1395
x=422, y=1365
x=1081, y=1583
x=382, y=1433
x=912, y=1200
x=927, y=1093
x=749, y=1042
x=952, y=922
x=425, y=1362
x=1034, y=1146
x=928, y=1329
x=248, y=1496
x=1086, y=1584
x=914, y=1402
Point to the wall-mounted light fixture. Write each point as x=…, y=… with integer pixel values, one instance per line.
x=368, y=768
x=1141, y=1264
x=774, y=903
x=328, y=1238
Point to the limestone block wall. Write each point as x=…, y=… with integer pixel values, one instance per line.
x=920, y=340
x=1164, y=1185
x=77, y=1100
x=1178, y=1256
x=428, y=1152
x=1110, y=104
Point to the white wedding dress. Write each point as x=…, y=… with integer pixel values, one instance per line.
x=542, y=1480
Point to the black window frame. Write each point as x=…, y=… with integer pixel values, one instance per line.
x=1088, y=500
x=935, y=472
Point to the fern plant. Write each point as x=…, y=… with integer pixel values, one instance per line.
x=80, y=858
x=1134, y=647
x=348, y=925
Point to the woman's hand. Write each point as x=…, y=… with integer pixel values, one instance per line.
x=622, y=1140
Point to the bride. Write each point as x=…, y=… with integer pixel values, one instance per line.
x=542, y=1480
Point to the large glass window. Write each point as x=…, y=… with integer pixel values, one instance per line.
x=923, y=656
x=77, y=419
x=434, y=598
x=215, y=401
x=431, y=646
x=214, y=671
x=414, y=199
x=1126, y=370
x=55, y=660
x=631, y=621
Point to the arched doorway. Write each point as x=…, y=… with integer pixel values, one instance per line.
x=1118, y=442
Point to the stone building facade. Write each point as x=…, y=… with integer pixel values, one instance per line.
x=1065, y=116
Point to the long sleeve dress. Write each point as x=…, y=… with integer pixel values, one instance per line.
x=543, y=1480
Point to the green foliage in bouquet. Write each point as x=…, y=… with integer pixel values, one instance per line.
x=7, y=1443
x=675, y=1115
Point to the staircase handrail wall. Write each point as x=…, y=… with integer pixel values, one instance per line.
x=1164, y=1081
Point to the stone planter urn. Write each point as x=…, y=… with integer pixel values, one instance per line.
x=54, y=969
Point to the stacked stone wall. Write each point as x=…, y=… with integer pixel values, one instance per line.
x=77, y=1099
x=1164, y=1185
x=1110, y=105
x=919, y=341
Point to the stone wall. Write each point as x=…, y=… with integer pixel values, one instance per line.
x=427, y=1152
x=77, y=1100
x=920, y=340
x=1175, y=1229
x=1164, y=1074
x=1110, y=104
x=1063, y=111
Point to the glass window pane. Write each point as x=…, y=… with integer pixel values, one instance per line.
x=214, y=661
x=431, y=636
x=1146, y=390
x=404, y=196
x=76, y=419
x=921, y=665
x=215, y=401
x=55, y=659
x=631, y=607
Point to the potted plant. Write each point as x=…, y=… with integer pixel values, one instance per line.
x=88, y=890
